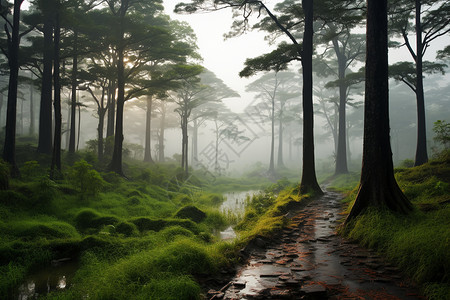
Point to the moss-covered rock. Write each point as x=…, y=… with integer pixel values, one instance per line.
x=190, y=212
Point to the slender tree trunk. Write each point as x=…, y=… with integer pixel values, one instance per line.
x=194, y=156
x=73, y=100
x=111, y=108
x=271, y=170
x=32, y=121
x=161, y=133
x=79, y=126
x=45, y=113
x=280, y=162
x=116, y=162
x=148, y=129
x=378, y=187
x=309, y=181
x=341, y=154
x=1, y=107
x=9, y=149
x=421, y=150
x=56, y=157
x=101, y=122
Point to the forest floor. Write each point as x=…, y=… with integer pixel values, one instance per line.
x=308, y=260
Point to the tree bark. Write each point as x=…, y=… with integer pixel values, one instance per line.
x=161, y=133
x=56, y=156
x=32, y=121
x=73, y=101
x=148, y=128
x=271, y=170
x=9, y=149
x=378, y=187
x=45, y=113
x=421, y=149
x=341, y=153
x=280, y=163
x=309, y=181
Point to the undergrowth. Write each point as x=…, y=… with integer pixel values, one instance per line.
x=418, y=243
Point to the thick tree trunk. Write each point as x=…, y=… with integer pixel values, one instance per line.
x=56, y=157
x=341, y=154
x=148, y=128
x=9, y=149
x=116, y=162
x=378, y=187
x=309, y=181
x=421, y=150
x=73, y=101
x=45, y=113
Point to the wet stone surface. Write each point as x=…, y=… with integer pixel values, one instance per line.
x=308, y=260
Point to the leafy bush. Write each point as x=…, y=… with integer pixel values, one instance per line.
x=85, y=178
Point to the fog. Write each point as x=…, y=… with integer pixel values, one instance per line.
x=225, y=58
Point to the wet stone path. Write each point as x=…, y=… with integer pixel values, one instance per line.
x=307, y=260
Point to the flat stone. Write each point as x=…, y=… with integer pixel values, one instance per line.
x=316, y=290
x=269, y=275
x=239, y=284
x=280, y=294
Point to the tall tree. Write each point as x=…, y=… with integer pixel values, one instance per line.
x=12, y=53
x=429, y=22
x=377, y=186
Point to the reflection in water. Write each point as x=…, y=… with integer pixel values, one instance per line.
x=56, y=276
x=234, y=204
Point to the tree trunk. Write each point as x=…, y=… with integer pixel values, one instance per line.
x=9, y=149
x=309, y=181
x=271, y=170
x=378, y=187
x=32, y=121
x=116, y=162
x=421, y=150
x=194, y=156
x=45, y=113
x=79, y=125
x=280, y=163
x=73, y=101
x=148, y=128
x=341, y=154
x=101, y=122
x=111, y=108
x=161, y=133
x=56, y=157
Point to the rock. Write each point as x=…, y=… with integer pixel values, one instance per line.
x=280, y=294
x=239, y=284
x=314, y=291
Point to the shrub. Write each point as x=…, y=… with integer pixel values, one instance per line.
x=29, y=169
x=4, y=175
x=85, y=178
x=126, y=228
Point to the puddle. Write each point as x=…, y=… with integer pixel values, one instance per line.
x=235, y=204
x=56, y=276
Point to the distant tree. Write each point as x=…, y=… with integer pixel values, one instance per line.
x=187, y=97
x=430, y=21
x=378, y=186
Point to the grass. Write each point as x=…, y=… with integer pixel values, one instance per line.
x=418, y=243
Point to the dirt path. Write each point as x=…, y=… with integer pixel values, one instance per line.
x=309, y=261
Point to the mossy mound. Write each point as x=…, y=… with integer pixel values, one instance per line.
x=89, y=219
x=146, y=224
x=190, y=212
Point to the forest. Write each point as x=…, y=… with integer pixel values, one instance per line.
x=225, y=149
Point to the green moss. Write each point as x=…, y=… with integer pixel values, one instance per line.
x=190, y=212
x=90, y=219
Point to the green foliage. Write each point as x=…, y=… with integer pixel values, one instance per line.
x=30, y=169
x=442, y=133
x=88, y=219
x=173, y=288
x=4, y=175
x=407, y=163
x=172, y=232
x=126, y=228
x=146, y=224
x=86, y=179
